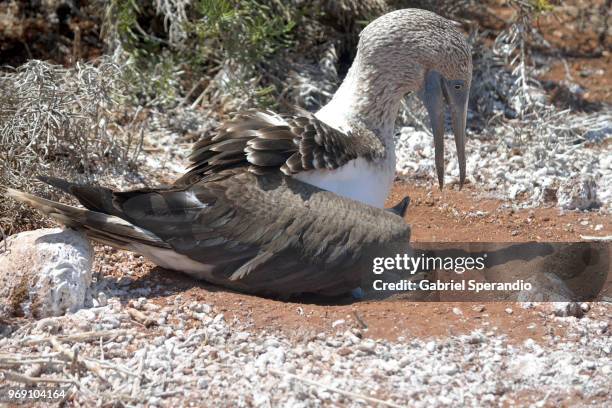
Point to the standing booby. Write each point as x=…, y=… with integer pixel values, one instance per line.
x=282, y=205
x=347, y=147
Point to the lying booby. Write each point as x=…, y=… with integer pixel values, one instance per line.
x=278, y=205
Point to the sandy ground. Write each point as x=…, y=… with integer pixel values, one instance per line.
x=452, y=215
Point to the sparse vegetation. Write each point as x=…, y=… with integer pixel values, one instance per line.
x=60, y=121
x=246, y=50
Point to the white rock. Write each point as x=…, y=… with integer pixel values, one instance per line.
x=202, y=383
x=274, y=356
x=368, y=346
x=242, y=336
x=351, y=338
x=45, y=272
x=603, y=326
x=578, y=193
x=201, y=308
x=102, y=299
x=450, y=369
x=565, y=309
x=537, y=175
x=390, y=366
x=338, y=323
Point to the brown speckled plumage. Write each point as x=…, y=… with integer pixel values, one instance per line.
x=263, y=142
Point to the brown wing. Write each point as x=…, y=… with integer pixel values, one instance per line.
x=266, y=142
x=271, y=234
x=267, y=234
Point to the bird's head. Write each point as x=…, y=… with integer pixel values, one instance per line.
x=414, y=50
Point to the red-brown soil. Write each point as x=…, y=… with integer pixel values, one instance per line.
x=450, y=215
x=433, y=216
x=579, y=48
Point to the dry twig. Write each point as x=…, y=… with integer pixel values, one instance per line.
x=78, y=337
x=349, y=394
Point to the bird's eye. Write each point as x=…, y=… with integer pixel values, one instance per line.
x=457, y=86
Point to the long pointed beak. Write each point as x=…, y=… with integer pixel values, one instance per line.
x=435, y=92
x=433, y=99
x=459, y=117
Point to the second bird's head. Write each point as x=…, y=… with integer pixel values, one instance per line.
x=418, y=51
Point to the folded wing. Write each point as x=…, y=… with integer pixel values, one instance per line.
x=266, y=142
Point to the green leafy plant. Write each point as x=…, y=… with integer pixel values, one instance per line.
x=247, y=31
x=191, y=39
x=541, y=6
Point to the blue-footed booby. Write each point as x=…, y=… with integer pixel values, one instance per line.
x=279, y=205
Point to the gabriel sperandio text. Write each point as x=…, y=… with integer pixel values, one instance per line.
x=414, y=264
x=470, y=285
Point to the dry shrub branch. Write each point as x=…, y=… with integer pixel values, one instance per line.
x=60, y=121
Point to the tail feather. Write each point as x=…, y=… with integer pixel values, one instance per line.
x=93, y=198
x=105, y=228
x=60, y=184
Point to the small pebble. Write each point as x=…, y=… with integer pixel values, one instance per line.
x=338, y=322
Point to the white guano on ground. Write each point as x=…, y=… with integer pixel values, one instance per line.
x=189, y=353
x=531, y=173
